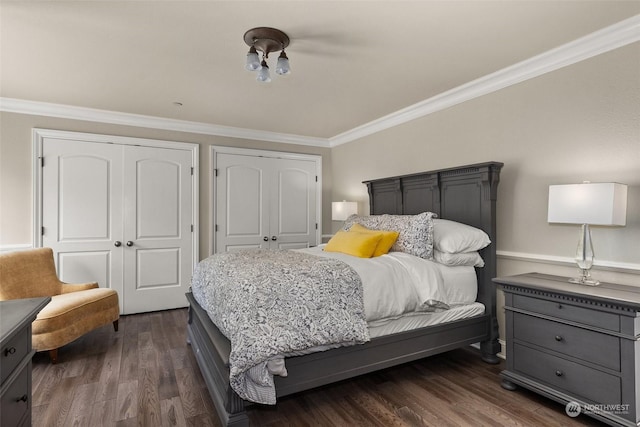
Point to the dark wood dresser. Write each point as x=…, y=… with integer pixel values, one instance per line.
x=576, y=344
x=15, y=359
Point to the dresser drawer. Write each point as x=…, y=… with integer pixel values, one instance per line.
x=16, y=398
x=575, y=379
x=570, y=340
x=13, y=352
x=569, y=312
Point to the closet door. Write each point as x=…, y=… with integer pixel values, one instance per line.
x=120, y=215
x=82, y=210
x=264, y=202
x=242, y=203
x=292, y=193
x=157, y=228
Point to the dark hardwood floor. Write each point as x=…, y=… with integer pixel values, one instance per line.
x=146, y=375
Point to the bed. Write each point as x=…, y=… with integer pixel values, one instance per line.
x=465, y=194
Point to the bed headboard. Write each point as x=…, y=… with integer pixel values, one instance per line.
x=464, y=194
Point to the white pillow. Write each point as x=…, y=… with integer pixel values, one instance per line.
x=454, y=237
x=472, y=259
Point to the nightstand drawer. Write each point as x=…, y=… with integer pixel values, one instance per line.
x=15, y=400
x=576, y=379
x=570, y=340
x=13, y=352
x=569, y=312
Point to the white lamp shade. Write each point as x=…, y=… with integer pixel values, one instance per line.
x=343, y=210
x=588, y=203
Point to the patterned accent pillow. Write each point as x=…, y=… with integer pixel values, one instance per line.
x=416, y=231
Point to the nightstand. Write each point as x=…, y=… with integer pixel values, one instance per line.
x=15, y=359
x=574, y=343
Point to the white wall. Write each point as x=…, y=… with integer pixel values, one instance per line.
x=578, y=123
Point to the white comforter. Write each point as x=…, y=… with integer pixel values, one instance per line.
x=395, y=283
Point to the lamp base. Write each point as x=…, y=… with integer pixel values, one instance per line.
x=585, y=279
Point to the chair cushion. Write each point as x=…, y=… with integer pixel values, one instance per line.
x=69, y=316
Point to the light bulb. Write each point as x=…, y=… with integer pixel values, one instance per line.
x=263, y=74
x=253, y=62
x=282, y=67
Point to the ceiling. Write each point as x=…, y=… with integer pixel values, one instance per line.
x=352, y=62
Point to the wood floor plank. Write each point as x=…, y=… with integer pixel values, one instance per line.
x=127, y=400
x=192, y=403
x=171, y=413
x=148, y=401
x=110, y=375
x=82, y=404
x=103, y=413
x=147, y=375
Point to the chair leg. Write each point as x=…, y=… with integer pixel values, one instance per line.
x=115, y=325
x=53, y=355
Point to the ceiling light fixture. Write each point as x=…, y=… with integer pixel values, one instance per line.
x=266, y=40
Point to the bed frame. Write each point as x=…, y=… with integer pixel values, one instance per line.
x=465, y=194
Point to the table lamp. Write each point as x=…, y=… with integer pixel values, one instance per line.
x=340, y=211
x=587, y=204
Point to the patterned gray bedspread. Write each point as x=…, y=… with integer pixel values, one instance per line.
x=271, y=303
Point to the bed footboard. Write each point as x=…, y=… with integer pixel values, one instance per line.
x=211, y=350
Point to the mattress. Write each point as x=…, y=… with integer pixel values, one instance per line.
x=410, y=321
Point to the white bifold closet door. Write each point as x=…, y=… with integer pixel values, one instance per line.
x=120, y=215
x=264, y=202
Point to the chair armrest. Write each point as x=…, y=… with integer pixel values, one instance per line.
x=68, y=287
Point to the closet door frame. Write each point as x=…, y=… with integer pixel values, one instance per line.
x=215, y=150
x=38, y=136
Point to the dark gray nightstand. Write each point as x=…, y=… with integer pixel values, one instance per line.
x=575, y=343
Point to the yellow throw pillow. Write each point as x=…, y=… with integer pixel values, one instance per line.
x=353, y=243
x=385, y=243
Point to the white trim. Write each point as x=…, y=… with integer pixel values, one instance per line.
x=21, y=106
x=14, y=248
x=622, y=267
x=214, y=150
x=38, y=136
x=609, y=38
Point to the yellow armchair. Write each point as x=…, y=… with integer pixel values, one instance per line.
x=74, y=309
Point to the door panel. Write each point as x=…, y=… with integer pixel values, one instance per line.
x=240, y=204
x=82, y=210
x=293, y=203
x=84, y=198
x=158, y=199
x=87, y=266
x=157, y=230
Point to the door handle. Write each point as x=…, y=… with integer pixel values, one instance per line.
x=265, y=238
x=129, y=243
x=274, y=238
x=117, y=243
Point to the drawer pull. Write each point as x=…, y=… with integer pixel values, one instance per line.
x=559, y=373
x=8, y=351
x=558, y=338
x=559, y=306
x=24, y=398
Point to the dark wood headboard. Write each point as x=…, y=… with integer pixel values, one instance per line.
x=465, y=194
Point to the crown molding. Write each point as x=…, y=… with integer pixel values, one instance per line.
x=602, y=41
x=21, y=106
